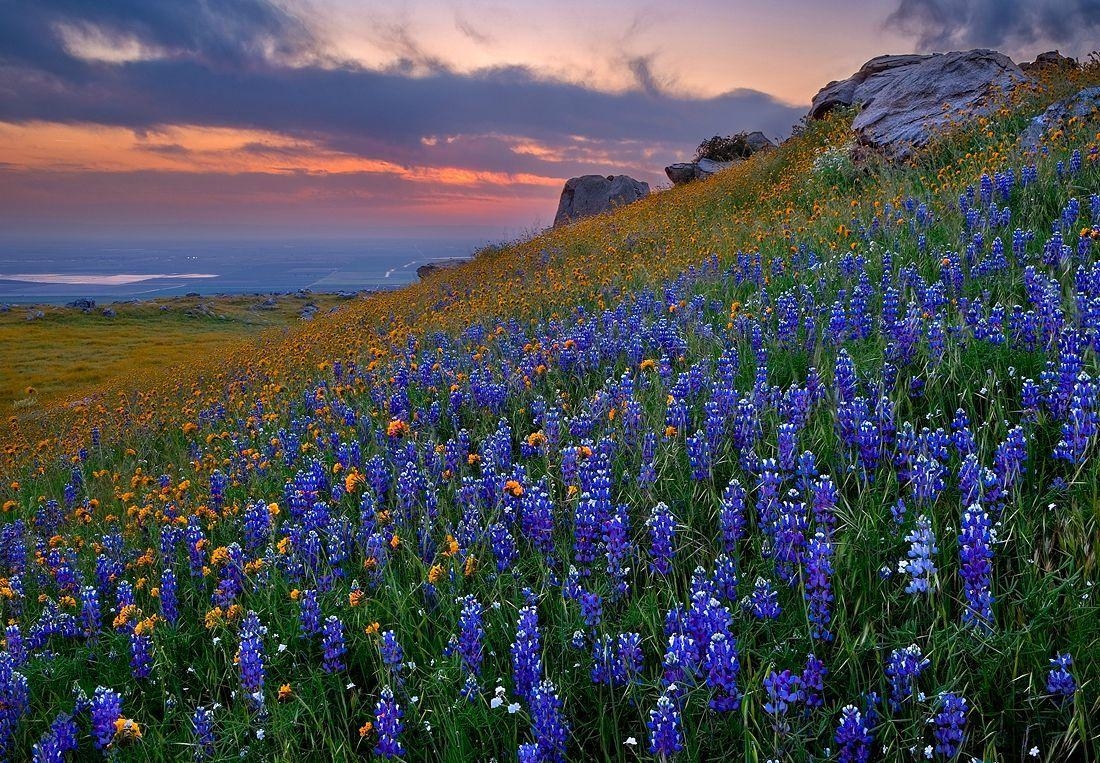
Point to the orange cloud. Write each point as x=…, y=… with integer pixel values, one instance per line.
x=193, y=149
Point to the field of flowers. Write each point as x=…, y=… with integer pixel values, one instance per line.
x=796, y=463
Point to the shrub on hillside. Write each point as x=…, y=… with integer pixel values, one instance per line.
x=727, y=148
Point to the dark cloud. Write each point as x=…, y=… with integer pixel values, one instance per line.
x=469, y=30
x=249, y=64
x=951, y=24
x=229, y=34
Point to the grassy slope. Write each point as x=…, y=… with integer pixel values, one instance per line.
x=68, y=354
x=771, y=205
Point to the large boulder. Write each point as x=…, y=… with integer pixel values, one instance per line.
x=906, y=99
x=1051, y=60
x=1082, y=105
x=594, y=194
x=685, y=172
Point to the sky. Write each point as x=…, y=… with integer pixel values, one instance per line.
x=344, y=118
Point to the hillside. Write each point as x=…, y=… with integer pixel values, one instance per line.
x=797, y=462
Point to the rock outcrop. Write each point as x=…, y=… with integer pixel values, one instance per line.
x=906, y=99
x=83, y=303
x=429, y=268
x=1081, y=105
x=1052, y=59
x=589, y=195
x=685, y=172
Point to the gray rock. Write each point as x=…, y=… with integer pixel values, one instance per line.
x=758, y=141
x=109, y=312
x=1052, y=59
x=430, y=268
x=1082, y=104
x=271, y=303
x=903, y=97
x=82, y=304
x=34, y=315
x=595, y=194
x=685, y=172
x=681, y=172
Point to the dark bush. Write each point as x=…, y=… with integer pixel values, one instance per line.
x=724, y=149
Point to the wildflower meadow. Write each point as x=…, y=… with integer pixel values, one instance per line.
x=796, y=463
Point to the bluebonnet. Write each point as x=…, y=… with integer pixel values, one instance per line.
x=782, y=689
x=662, y=533
x=387, y=722
x=853, y=736
x=920, y=565
x=813, y=682
x=106, y=709
x=471, y=634
x=666, y=736
x=617, y=661
x=1060, y=682
x=722, y=665
x=818, y=588
x=527, y=652
x=950, y=724
x=16, y=693
x=547, y=724
x=680, y=660
x=731, y=516
x=202, y=728
x=392, y=654
x=169, y=601
x=141, y=651
x=332, y=644
x=591, y=608
x=250, y=659
x=58, y=741
x=903, y=669
x=975, y=555
x=763, y=602
x=309, y=613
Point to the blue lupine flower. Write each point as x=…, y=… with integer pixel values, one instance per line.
x=783, y=689
x=813, y=682
x=680, y=660
x=950, y=722
x=662, y=533
x=16, y=693
x=975, y=553
x=333, y=645
x=309, y=613
x=722, y=667
x=527, y=652
x=853, y=737
x=141, y=651
x=666, y=736
x=387, y=722
x=470, y=634
x=106, y=709
x=547, y=724
x=58, y=741
x=818, y=593
x=731, y=516
x=763, y=602
x=250, y=659
x=392, y=654
x=920, y=565
x=903, y=668
x=202, y=727
x=1060, y=682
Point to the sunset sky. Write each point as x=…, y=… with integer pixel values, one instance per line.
x=351, y=117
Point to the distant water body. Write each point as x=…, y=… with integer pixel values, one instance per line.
x=107, y=271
